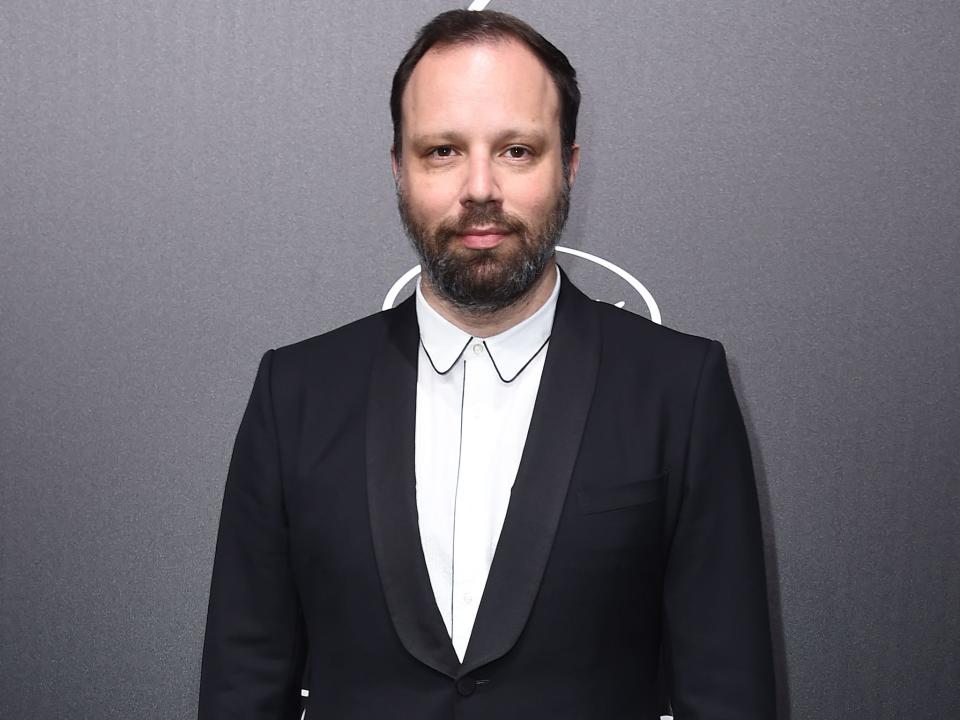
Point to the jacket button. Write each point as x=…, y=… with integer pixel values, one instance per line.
x=466, y=686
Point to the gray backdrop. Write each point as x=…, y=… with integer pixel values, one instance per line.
x=185, y=183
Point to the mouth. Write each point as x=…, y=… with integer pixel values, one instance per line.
x=483, y=238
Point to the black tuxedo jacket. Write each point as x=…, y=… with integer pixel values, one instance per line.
x=631, y=546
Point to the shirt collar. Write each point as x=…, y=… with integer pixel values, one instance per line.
x=511, y=349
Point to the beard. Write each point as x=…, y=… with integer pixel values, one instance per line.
x=482, y=281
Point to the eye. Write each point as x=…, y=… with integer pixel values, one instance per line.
x=441, y=151
x=518, y=152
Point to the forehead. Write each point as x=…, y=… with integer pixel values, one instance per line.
x=484, y=85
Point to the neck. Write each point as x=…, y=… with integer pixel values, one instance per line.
x=483, y=325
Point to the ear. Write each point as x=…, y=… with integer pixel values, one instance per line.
x=574, y=164
x=394, y=163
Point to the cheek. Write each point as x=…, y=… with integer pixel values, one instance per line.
x=533, y=199
x=432, y=200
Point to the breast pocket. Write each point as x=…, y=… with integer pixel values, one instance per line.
x=607, y=498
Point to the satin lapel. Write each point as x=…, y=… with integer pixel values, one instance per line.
x=540, y=488
x=391, y=494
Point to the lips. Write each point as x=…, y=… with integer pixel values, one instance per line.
x=483, y=238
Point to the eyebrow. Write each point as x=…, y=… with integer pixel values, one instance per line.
x=454, y=138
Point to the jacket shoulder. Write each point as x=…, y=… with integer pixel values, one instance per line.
x=634, y=333
x=340, y=345
x=334, y=365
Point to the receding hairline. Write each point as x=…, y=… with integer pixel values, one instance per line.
x=487, y=38
x=500, y=39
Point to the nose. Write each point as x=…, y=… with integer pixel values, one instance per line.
x=481, y=186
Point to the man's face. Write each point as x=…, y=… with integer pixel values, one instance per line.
x=480, y=182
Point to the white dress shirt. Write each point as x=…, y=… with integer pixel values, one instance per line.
x=470, y=432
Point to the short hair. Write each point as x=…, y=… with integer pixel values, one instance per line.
x=457, y=27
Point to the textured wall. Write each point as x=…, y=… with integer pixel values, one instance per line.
x=185, y=183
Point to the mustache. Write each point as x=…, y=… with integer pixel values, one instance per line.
x=480, y=216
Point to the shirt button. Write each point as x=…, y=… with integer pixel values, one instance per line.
x=477, y=349
x=466, y=686
x=467, y=598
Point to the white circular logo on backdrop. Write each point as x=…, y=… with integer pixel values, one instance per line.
x=652, y=308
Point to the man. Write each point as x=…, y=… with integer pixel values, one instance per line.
x=500, y=499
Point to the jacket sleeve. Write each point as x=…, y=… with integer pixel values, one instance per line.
x=254, y=647
x=715, y=600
